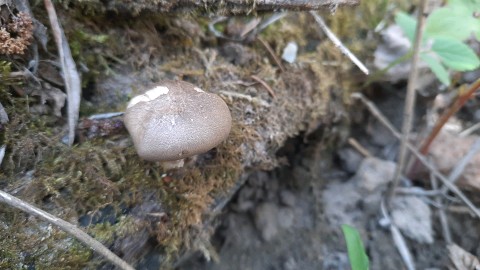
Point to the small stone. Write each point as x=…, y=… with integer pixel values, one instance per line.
x=285, y=217
x=287, y=198
x=266, y=220
x=374, y=173
x=413, y=218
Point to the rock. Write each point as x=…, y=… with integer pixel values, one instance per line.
x=374, y=173
x=350, y=158
x=286, y=216
x=341, y=203
x=266, y=220
x=456, y=147
x=413, y=218
x=287, y=198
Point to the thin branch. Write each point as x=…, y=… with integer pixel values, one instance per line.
x=398, y=239
x=69, y=71
x=457, y=105
x=357, y=146
x=67, y=227
x=447, y=236
x=338, y=43
x=408, y=111
x=375, y=112
x=272, y=53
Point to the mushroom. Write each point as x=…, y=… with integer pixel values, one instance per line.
x=175, y=120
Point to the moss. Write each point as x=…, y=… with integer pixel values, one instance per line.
x=82, y=181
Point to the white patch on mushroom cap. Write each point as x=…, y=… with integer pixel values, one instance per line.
x=149, y=95
x=198, y=90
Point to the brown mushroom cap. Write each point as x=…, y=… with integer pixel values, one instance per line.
x=175, y=120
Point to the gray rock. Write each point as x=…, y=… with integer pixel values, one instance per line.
x=266, y=220
x=374, y=173
x=413, y=218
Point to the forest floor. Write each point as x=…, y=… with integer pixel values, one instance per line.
x=272, y=196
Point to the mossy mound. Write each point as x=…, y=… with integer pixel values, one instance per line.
x=134, y=206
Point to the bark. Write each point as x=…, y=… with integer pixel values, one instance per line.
x=225, y=7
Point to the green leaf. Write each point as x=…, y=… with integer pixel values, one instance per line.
x=407, y=23
x=356, y=251
x=451, y=22
x=455, y=54
x=437, y=68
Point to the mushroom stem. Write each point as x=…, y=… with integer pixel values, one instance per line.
x=174, y=164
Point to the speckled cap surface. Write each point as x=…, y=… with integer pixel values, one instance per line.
x=175, y=119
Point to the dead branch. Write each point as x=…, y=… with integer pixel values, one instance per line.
x=67, y=227
x=226, y=7
x=338, y=43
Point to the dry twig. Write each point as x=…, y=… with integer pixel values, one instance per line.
x=447, y=236
x=357, y=146
x=457, y=105
x=398, y=239
x=69, y=70
x=338, y=43
x=272, y=53
x=409, y=103
x=67, y=227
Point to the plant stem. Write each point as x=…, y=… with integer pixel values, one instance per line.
x=67, y=227
x=457, y=105
x=409, y=103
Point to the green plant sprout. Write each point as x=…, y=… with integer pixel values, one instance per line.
x=446, y=30
x=356, y=252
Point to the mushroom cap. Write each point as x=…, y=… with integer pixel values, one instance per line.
x=175, y=120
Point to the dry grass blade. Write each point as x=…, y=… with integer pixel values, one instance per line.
x=398, y=239
x=376, y=113
x=69, y=70
x=67, y=227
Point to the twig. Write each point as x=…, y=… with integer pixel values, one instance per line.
x=469, y=130
x=357, y=146
x=457, y=105
x=375, y=112
x=398, y=239
x=264, y=84
x=338, y=43
x=409, y=103
x=255, y=100
x=69, y=70
x=272, y=53
x=105, y=115
x=447, y=236
x=67, y=227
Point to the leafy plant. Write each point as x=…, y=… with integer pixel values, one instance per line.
x=356, y=252
x=446, y=29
